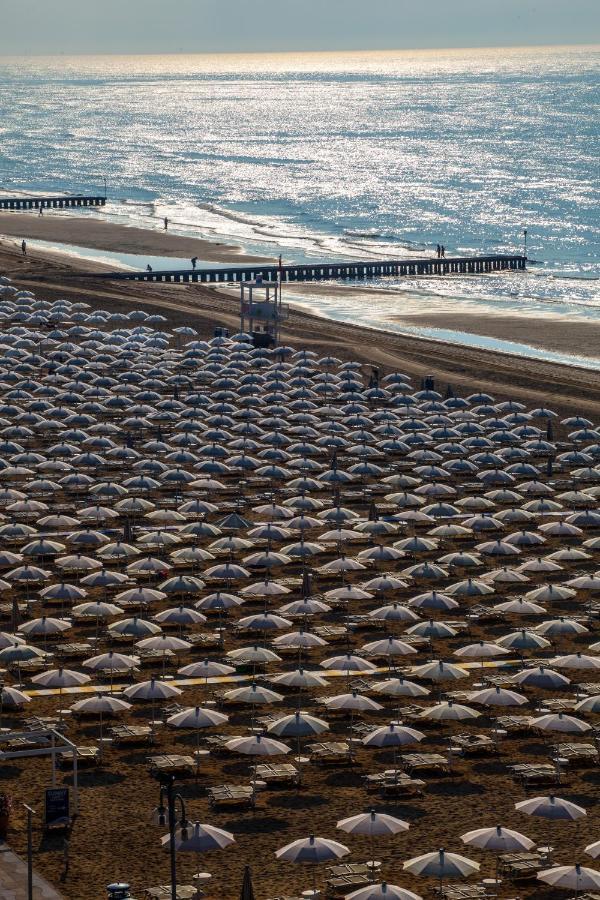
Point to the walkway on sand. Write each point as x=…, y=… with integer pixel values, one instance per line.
x=13, y=879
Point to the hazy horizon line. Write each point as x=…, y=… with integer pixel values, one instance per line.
x=307, y=52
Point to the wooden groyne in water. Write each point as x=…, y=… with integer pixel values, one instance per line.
x=23, y=203
x=324, y=271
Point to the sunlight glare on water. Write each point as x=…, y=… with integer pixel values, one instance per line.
x=329, y=155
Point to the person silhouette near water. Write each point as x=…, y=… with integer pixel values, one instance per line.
x=41, y=211
x=443, y=252
x=193, y=261
x=166, y=223
x=148, y=268
x=439, y=251
x=23, y=248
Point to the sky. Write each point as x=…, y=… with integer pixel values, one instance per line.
x=173, y=26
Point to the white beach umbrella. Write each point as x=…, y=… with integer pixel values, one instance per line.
x=441, y=865
x=253, y=693
x=101, y=705
x=312, y=850
x=560, y=722
x=589, y=704
x=551, y=807
x=372, y=825
x=12, y=698
x=299, y=724
x=194, y=837
x=540, y=677
x=257, y=745
x=498, y=839
x=449, y=711
x=196, y=719
x=577, y=877
x=438, y=671
x=382, y=891
x=134, y=627
x=593, y=850
x=497, y=696
x=577, y=661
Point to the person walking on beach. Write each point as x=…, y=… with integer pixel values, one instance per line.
x=23, y=248
x=166, y=222
x=41, y=211
x=193, y=261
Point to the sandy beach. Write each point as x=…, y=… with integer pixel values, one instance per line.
x=464, y=368
x=93, y=232
x=113, y=837
x=578, y=337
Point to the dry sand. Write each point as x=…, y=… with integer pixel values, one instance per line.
x=580, y=337
x=86, y=231
x=113, y=838
x=465, y=368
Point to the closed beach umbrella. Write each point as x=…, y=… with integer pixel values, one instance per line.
x=247, y=892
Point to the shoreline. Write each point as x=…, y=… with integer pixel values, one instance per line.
x=565, y=336
x=96, y=234
x=465, y=367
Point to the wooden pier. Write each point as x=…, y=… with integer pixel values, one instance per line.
x=23, y=203
x=321, y=271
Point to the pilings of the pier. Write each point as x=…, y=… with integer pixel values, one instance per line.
x=322, y=271
x=24, y=203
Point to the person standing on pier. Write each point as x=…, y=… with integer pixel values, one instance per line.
x=439, y=251
x=23, y=248
x=193, y=261
x=443, y=252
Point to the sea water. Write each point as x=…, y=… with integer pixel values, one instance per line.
x=320, y=156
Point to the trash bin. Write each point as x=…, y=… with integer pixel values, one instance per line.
x=118, y=891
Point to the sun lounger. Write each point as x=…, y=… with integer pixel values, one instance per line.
x=231, y=795
x=425, y=762
x=132, y=734
x=172, y=763
x=86, y=757
x=285, y=773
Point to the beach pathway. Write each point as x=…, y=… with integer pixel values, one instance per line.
x=13, y=879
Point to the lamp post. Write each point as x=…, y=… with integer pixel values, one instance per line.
x=30, y=813
x=167, y=816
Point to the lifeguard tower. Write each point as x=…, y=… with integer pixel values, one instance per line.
x=262, y=312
